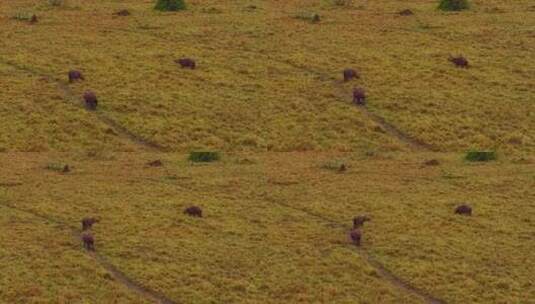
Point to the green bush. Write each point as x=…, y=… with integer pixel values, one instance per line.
x=453, y=5
x=170, y=5
x=204, y=156
x=480, y=156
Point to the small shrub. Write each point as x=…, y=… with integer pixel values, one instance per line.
x=204, y=156
x=480, y=156
x=453, y=5
x=170, y=5
x=23, y=16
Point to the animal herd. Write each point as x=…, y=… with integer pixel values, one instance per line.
x=359, y=94
x=355, y=234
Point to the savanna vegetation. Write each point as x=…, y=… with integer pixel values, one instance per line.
x=281, y=121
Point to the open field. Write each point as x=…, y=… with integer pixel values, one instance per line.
x=275, y=228
x=267, y=93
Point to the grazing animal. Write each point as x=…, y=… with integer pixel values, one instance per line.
x=350, y=74
x=432, y=162
x=359, y=96
x=156, y=163
x=342, y=168
x=406, y=12
x=356, y=236
x=459, y=61
x=463, y=210
x=122, y=13
x=66, y=169
x=88, y=222
x=186, y=63
x=193, y=211
x=359, y=221
x=33, y=19
x=89, y=241
x=75, y=75
x=90, y=100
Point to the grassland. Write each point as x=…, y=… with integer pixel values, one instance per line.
x=267, y=94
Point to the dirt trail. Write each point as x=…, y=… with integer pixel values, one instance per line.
x=75, y=100
x=390, y=129
x=393, y=131
x=118, y=275
x=382, y=271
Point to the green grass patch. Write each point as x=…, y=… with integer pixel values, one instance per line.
x=170, y=5
x=204, y=156
x=453, y=5
x=480, y=156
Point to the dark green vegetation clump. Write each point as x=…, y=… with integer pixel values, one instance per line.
x=480, y=156
x=453, y=5
x=204, y=156
x=170, y=5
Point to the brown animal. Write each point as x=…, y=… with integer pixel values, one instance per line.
x=432, y=162
x=193, y=211
x=89, y=241
x=406, y=12
x=316, y=18
x=122, y=13
x=359, y=221
x=463, y=210
x=156, y=163
x=90, y=100
x=350, y=74
x=88, y=222
x=359, y=96
x=186, y=63
x=66, y=169
x=75, y=75
x=33, y=19
x=459, y=61
x=356, y=236
x=342, y=168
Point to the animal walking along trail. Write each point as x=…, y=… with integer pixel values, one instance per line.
x=118, y=275
x=73, y=99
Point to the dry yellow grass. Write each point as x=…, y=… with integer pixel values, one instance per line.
x=268, y=81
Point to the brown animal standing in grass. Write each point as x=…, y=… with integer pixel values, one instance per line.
x=359, y=221
x=356, y=236
x=350, y=74
x=156, y=163
x=463, y=210
x=66, y=169
x=359, y=96
x=33, y=19
x=90, y=100
x=406, y=12
x=186, y=63
x=123, y=13
x=75, y=75
x=342, y=168
x=89, y=241
x=459, y=61
x=193, y=211
x=88, y=222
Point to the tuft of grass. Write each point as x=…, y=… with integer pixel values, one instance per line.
x=480, y=156
x=170, y=5
x=344, y=3
x=453, y=5
x=58, y=167
x=204, y=156
x=23, y=16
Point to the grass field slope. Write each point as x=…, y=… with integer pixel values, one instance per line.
x=295, y=159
